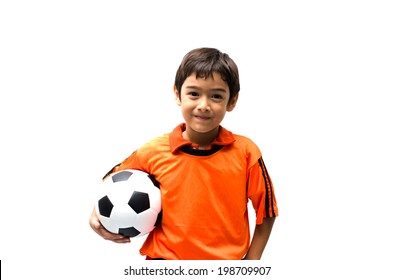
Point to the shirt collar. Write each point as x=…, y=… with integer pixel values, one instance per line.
x=176, y=140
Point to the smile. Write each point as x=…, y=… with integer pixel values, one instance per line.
x=202, y=118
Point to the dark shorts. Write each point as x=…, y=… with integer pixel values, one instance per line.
x=153, y=259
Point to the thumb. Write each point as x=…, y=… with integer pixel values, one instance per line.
x=96, y=223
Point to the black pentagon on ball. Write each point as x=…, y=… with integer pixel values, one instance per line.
x=139, y=201
x=121, y=176
x=105, y=206
x=129, y=232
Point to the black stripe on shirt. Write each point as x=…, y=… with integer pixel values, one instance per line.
x=269, y=204
x=195, y=152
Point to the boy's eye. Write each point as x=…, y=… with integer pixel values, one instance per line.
x=217, y=96
x=193, y=94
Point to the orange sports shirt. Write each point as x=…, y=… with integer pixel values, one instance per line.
x=204, y=195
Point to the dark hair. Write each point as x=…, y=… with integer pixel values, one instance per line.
x=203, y=62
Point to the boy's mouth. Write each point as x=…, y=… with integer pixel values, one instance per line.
x=203, y=118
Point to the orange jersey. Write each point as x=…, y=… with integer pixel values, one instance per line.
x=204, y=195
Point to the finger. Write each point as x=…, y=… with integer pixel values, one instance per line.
x=118, y=238
x=112, y=236
x=122, y=240
x=96, y=225
x=103, y=232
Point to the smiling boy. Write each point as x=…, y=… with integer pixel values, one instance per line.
x=207, y=174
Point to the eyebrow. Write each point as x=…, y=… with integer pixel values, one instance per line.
x=199, y=88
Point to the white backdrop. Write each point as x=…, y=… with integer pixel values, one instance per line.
x=84, y=83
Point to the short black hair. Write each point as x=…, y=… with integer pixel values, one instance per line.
x=203, y=62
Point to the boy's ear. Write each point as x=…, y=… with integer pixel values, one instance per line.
x=177, y=95
x=231, y=105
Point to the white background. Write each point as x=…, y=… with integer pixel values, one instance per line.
x=84, y=83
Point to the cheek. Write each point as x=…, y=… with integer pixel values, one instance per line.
x=186, y=105
x=220, y=110
x=219, y=114
x=185, y=109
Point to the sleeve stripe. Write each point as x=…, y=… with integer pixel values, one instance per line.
x=111, y=171
x=269, y=204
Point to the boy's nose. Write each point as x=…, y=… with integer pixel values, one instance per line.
x=203, y=104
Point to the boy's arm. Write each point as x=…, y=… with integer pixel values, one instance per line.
x=101, y=231
x=259, y=239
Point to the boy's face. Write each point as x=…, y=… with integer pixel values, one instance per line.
x=204, y=102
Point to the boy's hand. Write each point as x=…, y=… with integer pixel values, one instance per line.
x=101, y=231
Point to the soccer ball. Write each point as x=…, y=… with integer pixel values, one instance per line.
x=130, y=203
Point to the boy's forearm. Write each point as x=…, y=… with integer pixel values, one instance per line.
x=260, y=239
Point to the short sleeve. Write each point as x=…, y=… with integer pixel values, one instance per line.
x=261, y=192
x=129, y=163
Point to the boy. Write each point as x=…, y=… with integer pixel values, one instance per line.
x=206, y=173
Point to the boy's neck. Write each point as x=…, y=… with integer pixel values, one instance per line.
x=202, y=140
